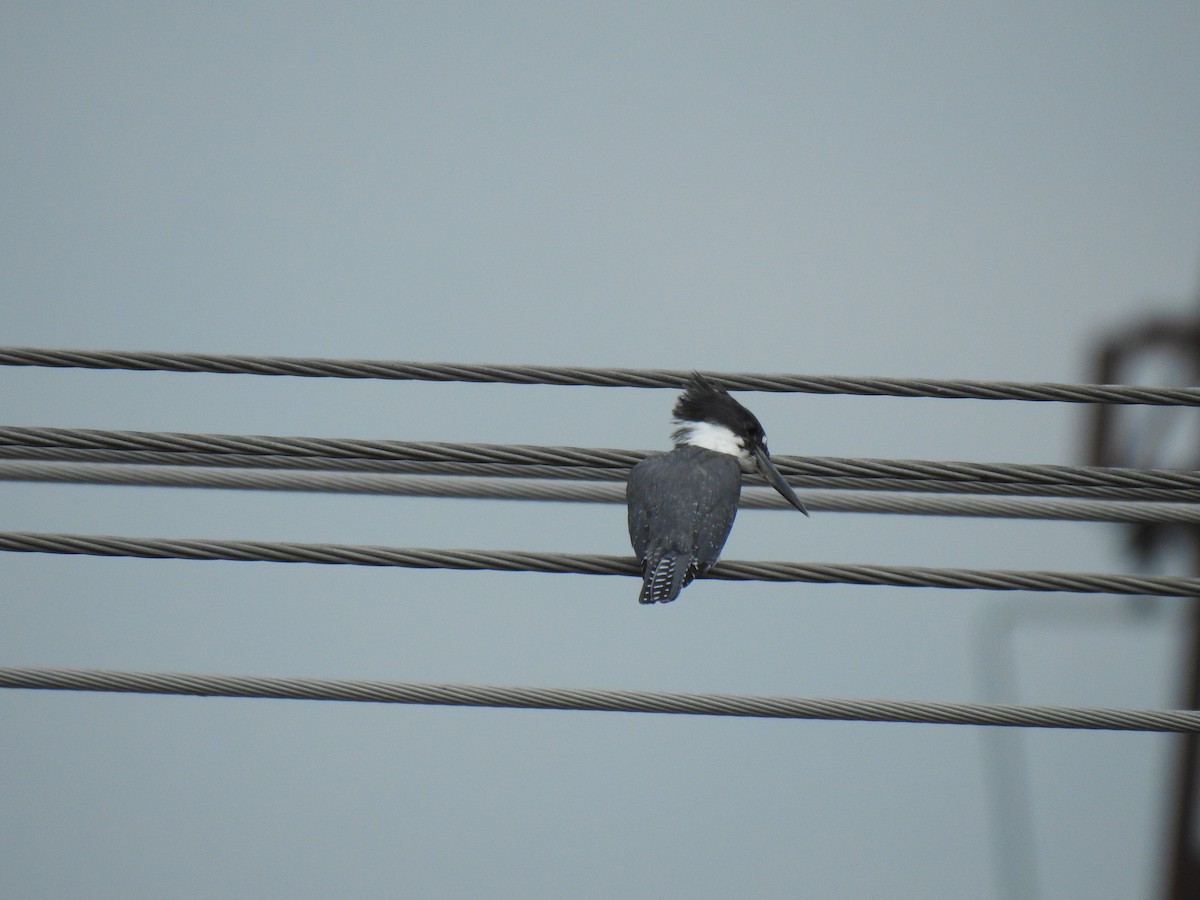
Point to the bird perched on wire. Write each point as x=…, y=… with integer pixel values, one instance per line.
x=682, y=503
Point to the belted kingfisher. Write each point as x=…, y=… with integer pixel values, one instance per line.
x=682, y=503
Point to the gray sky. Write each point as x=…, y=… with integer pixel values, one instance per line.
x=976, y=191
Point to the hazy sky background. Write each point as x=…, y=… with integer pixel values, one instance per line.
x=919, y=189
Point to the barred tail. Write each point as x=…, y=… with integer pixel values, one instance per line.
x=664, y=579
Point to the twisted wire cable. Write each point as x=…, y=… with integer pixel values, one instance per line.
x=29, y=442
x=314, y=367
x=591, y=564
x=35, y=438
x=565, y=473
x=103, y=455
x=585, y=492
x=599, y=700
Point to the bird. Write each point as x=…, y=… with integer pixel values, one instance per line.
x=682, y=503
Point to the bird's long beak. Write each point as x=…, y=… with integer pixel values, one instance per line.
x=768, y=471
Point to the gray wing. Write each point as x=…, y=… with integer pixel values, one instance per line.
x=642, y=504
x=717, y=505
x=691, y=495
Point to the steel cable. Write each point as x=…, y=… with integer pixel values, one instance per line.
x=30, y=442
x=313, y=463
x=584, y=492
x=590, y=564
x=599, y=700
x=566, y=473
x=593, y=376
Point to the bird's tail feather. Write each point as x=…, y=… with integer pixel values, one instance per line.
x=664, y=579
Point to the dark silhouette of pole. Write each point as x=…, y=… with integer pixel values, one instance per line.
x=1178, y=340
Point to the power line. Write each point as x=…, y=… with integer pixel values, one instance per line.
x=315, y=463
x=33, y=442
x=317, y=367
x=466, y=487
x=21, y=438
x=562, y=473
x=599, y=700
x=591, y=564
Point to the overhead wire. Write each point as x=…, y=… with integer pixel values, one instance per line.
x=23, y=442
x=313, y=464
x=466, y=487
x=319, y=367
x=590, y=564
x=600, y=700
x=565, y=473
